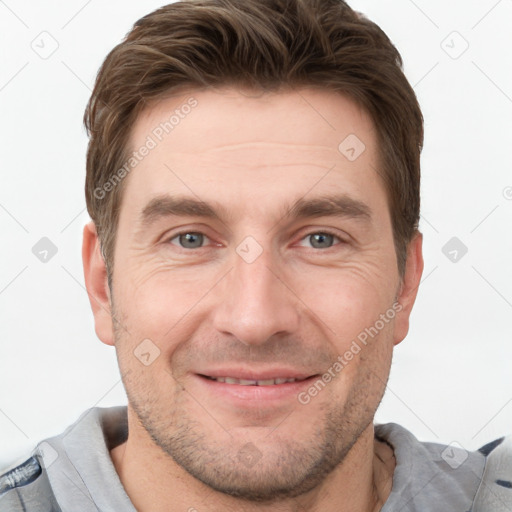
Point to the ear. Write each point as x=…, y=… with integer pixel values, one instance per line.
x=95, y=274
x=409, y=287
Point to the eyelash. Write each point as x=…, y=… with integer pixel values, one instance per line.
x=323, y=232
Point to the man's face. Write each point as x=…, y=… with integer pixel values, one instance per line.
x=296, y=264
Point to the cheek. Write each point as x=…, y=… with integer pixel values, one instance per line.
x=158, y=300
x=143, y=362
x=347, y=301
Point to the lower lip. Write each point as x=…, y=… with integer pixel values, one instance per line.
x=255, y=394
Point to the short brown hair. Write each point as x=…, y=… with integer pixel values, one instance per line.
x=264, y=45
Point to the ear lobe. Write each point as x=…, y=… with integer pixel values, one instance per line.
x=95, y=274
x=409, y=286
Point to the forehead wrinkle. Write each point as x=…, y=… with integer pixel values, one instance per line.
x=269, y=144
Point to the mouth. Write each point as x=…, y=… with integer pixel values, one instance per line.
x=253, y=382
x=254, y=390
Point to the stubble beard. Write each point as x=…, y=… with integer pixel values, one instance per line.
x=286, y=468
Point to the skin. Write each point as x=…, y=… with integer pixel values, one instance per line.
x=298, y=304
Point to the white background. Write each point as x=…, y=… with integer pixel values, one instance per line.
x=451, y=378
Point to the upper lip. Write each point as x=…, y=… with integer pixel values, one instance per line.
x=253, y=374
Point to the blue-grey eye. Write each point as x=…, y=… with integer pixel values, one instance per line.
x=191, y=240
x=321, y=240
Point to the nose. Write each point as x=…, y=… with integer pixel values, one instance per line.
x=257, y=303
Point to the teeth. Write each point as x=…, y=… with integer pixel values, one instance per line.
x=248, y=382
x=245, y=382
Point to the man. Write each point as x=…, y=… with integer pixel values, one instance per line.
x=254, y=256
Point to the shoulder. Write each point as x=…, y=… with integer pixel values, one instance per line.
x=466, y=480
x=42, y=482
x=26, y=488
x=495, y=492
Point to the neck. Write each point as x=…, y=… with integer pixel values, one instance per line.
x=154, y=482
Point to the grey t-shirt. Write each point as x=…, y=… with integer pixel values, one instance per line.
x=73, y=472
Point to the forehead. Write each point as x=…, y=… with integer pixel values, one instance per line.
x=218, y=116
x=244, y=147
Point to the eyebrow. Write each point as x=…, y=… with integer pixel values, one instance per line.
x=330, y=206
x=164, y=206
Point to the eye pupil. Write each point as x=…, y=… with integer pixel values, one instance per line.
x=318, y=240
x=191, y=240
